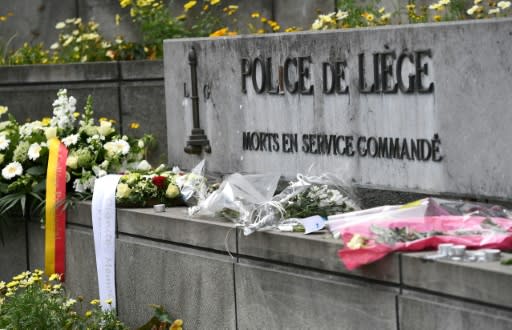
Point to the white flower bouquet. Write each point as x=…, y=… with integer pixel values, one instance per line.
x=95, y=148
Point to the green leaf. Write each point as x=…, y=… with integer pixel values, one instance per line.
x=40, y=186
x=36, y=170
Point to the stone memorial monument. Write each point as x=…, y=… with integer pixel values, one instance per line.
x=416, y=108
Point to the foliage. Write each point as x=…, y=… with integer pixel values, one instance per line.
x=353, y=14
x=320, y=200
x=31, y=301
x=162, y=320
x=157, y=22
x=94, y=149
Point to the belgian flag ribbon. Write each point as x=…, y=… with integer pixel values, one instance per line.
x=55, y=227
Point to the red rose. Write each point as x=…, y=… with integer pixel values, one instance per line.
x=159, y=181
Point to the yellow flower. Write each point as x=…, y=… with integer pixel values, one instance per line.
x=357, y=242
x=438, y=18
x=54, y=277
x=125, y=3
x=3, y=109
x=189, y=5
x=263, y=20
x=117, y=19
x=177, y=325
x=57, y=286
x=95, y=302
x=46, y=121
x=134, y=125
x=411, y=7
x=60, y=25
x=369, y=17
x=172, y=191
x=88, y=314
x=133, y=12
x=205, y=7
x=12, y=284
x=109, y=301
x=220, y=32
x=382, y=10
x=214, y=2
x=181, y=17
x=255, y=14
x=260, y=31
x=123, y=190
x=292, y=29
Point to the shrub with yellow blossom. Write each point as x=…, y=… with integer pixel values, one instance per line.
x=32, y=301
x=157, y=22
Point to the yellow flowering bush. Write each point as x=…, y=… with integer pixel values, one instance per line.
x=351, y=14
x=198, y=19
x=31, y=301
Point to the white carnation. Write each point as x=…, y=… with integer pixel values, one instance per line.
x=117, y=147
x=70, y=140
x=34, y=151
x=12, y=170
x=4, y=142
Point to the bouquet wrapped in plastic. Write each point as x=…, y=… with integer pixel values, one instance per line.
x=248, y=200
x=371, y=234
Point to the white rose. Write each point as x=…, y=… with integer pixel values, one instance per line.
x=72, y=162
x=105, y=128
x=172, y=191
x=123, y=190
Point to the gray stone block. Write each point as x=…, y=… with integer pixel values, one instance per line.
x=194, y=286
x=273, y=297
x=58, y=73
x=80, y=214
x=13, y=250
x=457, y=102
x=143, y=102
x=81, y=274
x=319, y=251
x=32, y=102
x=142, y=70
x=176, y=226
x=486, y=282
x=427, y=312
x=36, y=235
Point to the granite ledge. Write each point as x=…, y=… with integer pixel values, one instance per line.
x=486, y=282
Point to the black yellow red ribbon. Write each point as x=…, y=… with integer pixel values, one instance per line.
x=55, y=234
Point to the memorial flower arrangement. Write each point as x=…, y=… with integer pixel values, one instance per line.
x=249, y=200
x=32, y=301
x=144, y=188
x=95, y=148
x=369, y=235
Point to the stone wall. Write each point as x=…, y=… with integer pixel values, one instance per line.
x=209, y=274
x=126, y=92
